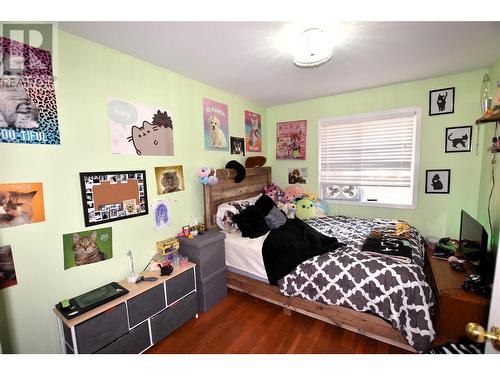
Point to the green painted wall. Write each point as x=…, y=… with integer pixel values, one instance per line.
x=486, y=170
x=87, y=74
x=436, y=214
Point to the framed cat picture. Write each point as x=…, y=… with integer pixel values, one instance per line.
x=111, y=196
x=458, y=139
x=442, y=101
x=437, y=181
x=169, y=179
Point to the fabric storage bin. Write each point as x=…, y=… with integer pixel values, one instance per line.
x=212, y=290
x=134, y=342
x=146, y=304
x=206, y=250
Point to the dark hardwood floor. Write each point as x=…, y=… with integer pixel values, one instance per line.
x=246, y=325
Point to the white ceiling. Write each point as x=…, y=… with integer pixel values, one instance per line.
x=252, y=60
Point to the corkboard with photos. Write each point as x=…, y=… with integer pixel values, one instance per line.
x=111, y=196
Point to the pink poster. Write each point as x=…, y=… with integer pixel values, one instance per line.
x=253, y=132
x=291, y=140
x=215, y=125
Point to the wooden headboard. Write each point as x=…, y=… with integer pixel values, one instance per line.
x=227, y=190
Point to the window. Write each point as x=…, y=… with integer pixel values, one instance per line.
x=371, y=159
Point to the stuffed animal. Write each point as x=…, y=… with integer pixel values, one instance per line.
x=275, y=192
x=292, y=193
x=321, y=207
x=305, y=209
x=310, y=196
x=287, y=208
x=207, y=175
x=203, y=174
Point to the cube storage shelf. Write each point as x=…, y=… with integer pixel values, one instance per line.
x=136, y=321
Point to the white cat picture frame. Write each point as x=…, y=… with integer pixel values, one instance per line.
x=458, y=139
x=442, y=101
x=111, y=196
x=437, y=181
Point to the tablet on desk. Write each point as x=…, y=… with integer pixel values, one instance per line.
x=90, y=300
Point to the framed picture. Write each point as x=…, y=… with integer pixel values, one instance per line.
x=297, y=175
x=458, y=139
x=437, y=181
x=442, y=101
x=111, y=196
x=291, y=140
x=169, y=179
x=238, y=146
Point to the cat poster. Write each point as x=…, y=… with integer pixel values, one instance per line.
x=437, y=181
x=291, y=140
x=253, y=132
x=458, y=139
x=216, y=128
x=442, y=101
x=139, y=129
x=21, y=203
x=7, y=269
x=28, y=107
x=161, y=214
x=87, y=247
x=169, y=179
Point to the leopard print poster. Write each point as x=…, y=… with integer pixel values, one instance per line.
x=28, y=110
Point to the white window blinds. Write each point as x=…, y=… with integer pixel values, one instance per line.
x=371, y=150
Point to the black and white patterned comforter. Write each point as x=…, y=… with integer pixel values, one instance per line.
x=395, y=291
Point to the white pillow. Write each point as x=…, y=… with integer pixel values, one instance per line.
x=226, y=211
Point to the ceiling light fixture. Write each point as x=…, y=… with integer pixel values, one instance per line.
x=314, y=47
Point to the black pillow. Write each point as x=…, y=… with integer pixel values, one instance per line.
x=265, y=203
x=251, y=221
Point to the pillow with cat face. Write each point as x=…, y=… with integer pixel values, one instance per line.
x=226, y=211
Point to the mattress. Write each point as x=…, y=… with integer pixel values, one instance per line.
x=244, y=255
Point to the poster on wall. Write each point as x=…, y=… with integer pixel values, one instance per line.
x=111, y=196
x=21, y=203
x=216, y=128
x=291, y=140
x=136, y=128
x=28, y=110
x=169, y=179
x=253, y=132
x=297, y=175
x=7, y=269
x=87, y=247
x=161, y=214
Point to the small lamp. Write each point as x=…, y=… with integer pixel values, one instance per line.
x=486, y=94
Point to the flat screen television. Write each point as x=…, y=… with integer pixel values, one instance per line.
x=474, y=246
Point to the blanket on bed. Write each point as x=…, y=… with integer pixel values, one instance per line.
x=291, y=244
x=348, y=277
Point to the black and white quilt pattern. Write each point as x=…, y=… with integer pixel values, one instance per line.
x=395, y=291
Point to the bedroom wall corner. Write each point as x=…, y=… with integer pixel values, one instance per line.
x=87, y=74
x=437, y=214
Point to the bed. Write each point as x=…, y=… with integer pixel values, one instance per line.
x=355, y=306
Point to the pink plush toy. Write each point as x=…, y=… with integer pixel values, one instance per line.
x=293, y=192
x=275, y=192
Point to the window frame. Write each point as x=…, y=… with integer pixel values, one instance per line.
x=372, y=116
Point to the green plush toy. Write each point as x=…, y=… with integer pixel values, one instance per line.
x=305, y=209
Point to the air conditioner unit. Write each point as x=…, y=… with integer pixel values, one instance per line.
x=341, y=192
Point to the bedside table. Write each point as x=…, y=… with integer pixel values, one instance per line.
x=454, y=306
x=207, y=251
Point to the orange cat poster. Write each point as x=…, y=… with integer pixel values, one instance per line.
x=21, y=203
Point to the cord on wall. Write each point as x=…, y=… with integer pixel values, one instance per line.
x=493, y=161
